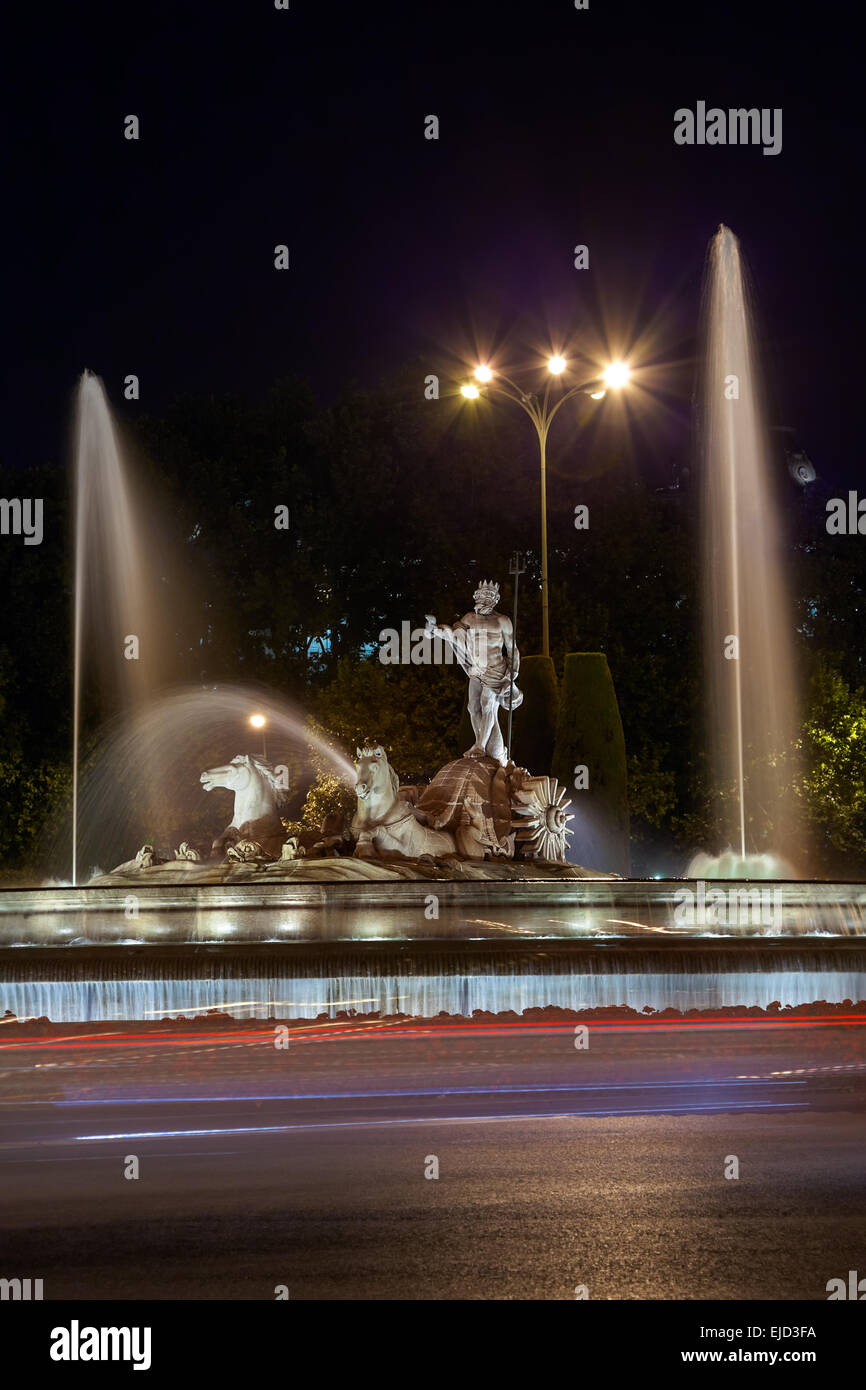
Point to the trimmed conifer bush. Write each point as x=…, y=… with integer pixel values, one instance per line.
x=589, y=735
x=534, y=732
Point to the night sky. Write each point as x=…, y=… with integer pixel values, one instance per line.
x=306, y=127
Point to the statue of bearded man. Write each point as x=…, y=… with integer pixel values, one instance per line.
x=483, y=642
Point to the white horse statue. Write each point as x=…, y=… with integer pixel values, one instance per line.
x=385, y=822
x=474, y=808
x=259, y=793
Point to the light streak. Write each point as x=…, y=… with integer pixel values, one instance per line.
x=722, y=1107
x=336, y=1030
x=539, y=1089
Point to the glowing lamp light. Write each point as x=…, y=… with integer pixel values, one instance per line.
x=470, y=392
x=616, y=375
x=597, y=395
x=556, y=365
x=483, y=373
x=258, y=721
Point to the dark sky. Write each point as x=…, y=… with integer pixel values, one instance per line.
x=307, y=127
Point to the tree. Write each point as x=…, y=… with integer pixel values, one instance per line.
x=413, y=711
x=833, y=784
x=589, y=736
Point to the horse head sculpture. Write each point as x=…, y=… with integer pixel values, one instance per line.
x=259, y=793
x=385, y=822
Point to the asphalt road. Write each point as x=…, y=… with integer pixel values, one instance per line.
x=557, y=1167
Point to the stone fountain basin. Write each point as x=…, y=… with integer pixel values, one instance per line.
x=348, y=870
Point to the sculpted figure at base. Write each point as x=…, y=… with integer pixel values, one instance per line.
x=473, y=809
x=484, y=645
x=480, y=807
x=385, y=822
x=258, y=796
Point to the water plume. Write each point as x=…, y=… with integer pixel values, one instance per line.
x=113, y=602
x=143, y=783
x=748, y=620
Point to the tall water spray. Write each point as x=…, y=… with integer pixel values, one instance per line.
x=143, y=777
x=143, y=781
x=111, y=601
x=748, y=619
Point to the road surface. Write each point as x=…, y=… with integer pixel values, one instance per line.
x=307, y=1166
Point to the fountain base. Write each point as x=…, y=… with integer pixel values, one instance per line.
x=347, y=870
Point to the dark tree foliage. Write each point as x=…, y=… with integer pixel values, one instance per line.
x=397, y=506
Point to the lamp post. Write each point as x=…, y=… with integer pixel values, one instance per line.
x=542, y=412
x=517, y=568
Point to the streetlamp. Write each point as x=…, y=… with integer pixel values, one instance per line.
x=259, y=721
x=541, y=412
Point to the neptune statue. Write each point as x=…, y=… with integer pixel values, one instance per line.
x=484, y=645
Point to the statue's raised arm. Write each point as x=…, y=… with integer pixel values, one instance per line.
x=434, y=629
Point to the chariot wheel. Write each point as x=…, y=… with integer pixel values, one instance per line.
x=540, y=817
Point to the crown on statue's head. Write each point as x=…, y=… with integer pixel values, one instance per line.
x=488, y=588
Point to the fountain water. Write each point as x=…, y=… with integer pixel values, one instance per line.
x=113, y=603
x=144, y=778
x=748, y=625
x=305, y=985
x=144, y=782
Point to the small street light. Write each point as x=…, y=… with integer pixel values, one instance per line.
x=259, y=721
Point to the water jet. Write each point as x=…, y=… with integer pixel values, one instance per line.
x=750, y=676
